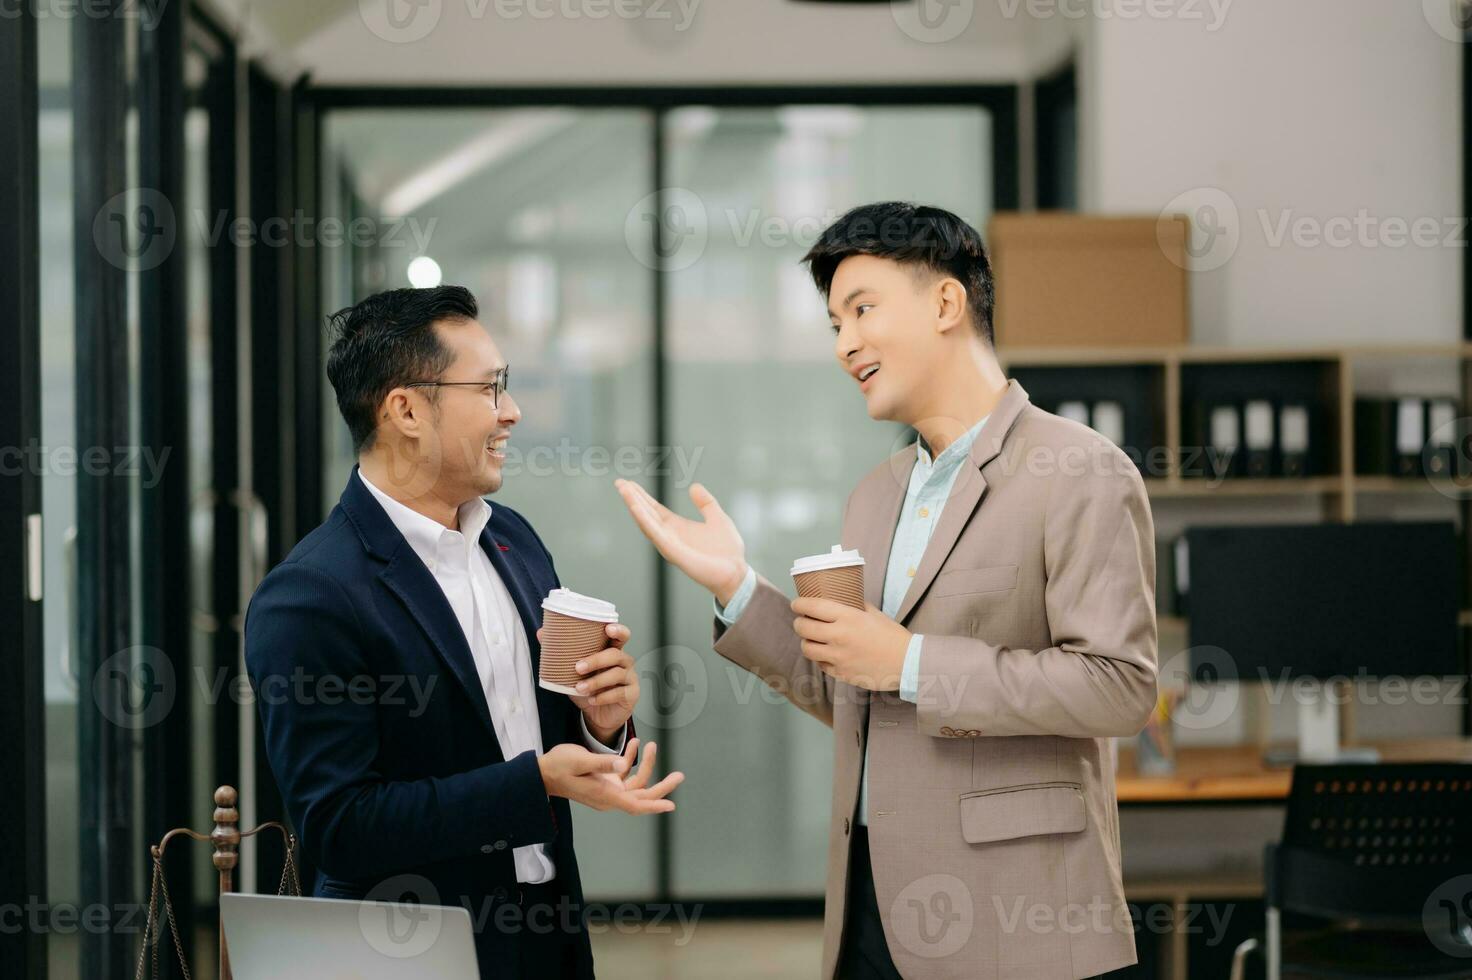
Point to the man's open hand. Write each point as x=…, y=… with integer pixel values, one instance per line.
x=709, y=550
x=608, y=782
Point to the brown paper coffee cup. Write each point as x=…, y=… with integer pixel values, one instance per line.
x=573, y=627
x=837, y=575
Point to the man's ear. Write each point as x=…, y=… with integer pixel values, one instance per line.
x=401, y=410
x=950, y=305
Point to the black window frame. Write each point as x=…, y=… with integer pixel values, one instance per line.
x=22, y=686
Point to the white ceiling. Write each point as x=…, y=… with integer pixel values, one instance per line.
x=658, y=42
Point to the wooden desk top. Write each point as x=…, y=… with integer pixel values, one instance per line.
x=1234, y=773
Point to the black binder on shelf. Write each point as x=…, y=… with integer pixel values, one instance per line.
x=1259, y=436
x=1078, y=411
x=1108, y=420
x=1442, y=458
x=1223, y=442
x=1165, y=578
x=1374, y=436
x=1201, y=456
x=1410, y=435
x=1181, y=575
x=1295, y=446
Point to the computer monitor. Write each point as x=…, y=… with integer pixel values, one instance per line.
x=1323, y=601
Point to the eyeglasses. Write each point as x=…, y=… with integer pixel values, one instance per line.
x=493, y=387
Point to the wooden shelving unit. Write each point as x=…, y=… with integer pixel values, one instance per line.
x=1342, y=486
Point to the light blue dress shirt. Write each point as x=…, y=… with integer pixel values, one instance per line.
x=931, y=482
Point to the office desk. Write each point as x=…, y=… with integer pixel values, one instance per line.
x=1236, y=773
x=1228, y=775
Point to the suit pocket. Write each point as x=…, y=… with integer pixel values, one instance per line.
x=338, y=889
x=1022, y=811
x=972, y=581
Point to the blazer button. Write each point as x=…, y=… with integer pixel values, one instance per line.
x=500, y=845
x=487, y=848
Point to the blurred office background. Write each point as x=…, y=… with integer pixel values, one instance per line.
x=627, y=190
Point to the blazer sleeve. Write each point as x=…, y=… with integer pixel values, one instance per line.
x=762, y=641
x=357, y=823
x=1098, y=679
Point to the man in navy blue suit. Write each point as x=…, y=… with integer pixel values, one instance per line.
x=394, y=657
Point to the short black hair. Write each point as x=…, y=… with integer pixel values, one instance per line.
x=386, y=341
x=911, y=234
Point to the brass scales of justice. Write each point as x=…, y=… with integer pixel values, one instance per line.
x=225, y=840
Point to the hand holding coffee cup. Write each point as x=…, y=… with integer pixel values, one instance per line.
x=574, y=628
x=583, y=656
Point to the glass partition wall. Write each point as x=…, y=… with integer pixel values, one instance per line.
x=639, y=267
x=137, y=427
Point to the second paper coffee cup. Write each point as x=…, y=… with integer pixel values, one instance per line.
x=837, y=575
x=572, y=628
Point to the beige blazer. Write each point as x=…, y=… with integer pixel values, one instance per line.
x=993, y=826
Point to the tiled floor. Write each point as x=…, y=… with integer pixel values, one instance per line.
x=720, y=949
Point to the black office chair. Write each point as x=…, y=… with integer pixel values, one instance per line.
x=1374, y=850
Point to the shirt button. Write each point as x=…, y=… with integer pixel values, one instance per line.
x=910, y=571
x=515, y=707
x=924, y=511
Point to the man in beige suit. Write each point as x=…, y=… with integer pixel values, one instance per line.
x=1009, y=634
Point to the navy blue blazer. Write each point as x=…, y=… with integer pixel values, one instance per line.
x=378, y=731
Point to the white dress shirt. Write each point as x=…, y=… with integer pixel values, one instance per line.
x=493, y=631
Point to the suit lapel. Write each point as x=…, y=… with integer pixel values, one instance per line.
x=874, y=538
x=518, y=579
x=966, y=495
x=407, y=577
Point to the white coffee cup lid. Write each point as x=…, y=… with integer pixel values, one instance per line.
x=570, y=603
x=836, y=558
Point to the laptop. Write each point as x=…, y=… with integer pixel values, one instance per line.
x=273, y=937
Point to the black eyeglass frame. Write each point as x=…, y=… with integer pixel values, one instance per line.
x=498, y=384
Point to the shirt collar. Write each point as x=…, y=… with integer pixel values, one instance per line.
x=952, y=454
x=425, y=534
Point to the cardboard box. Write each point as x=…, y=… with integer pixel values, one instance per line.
x=1073, y=280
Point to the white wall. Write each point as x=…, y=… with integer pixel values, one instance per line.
x=1312, y=108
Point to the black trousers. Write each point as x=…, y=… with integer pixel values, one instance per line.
x=865, y=954
x=544, y=947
